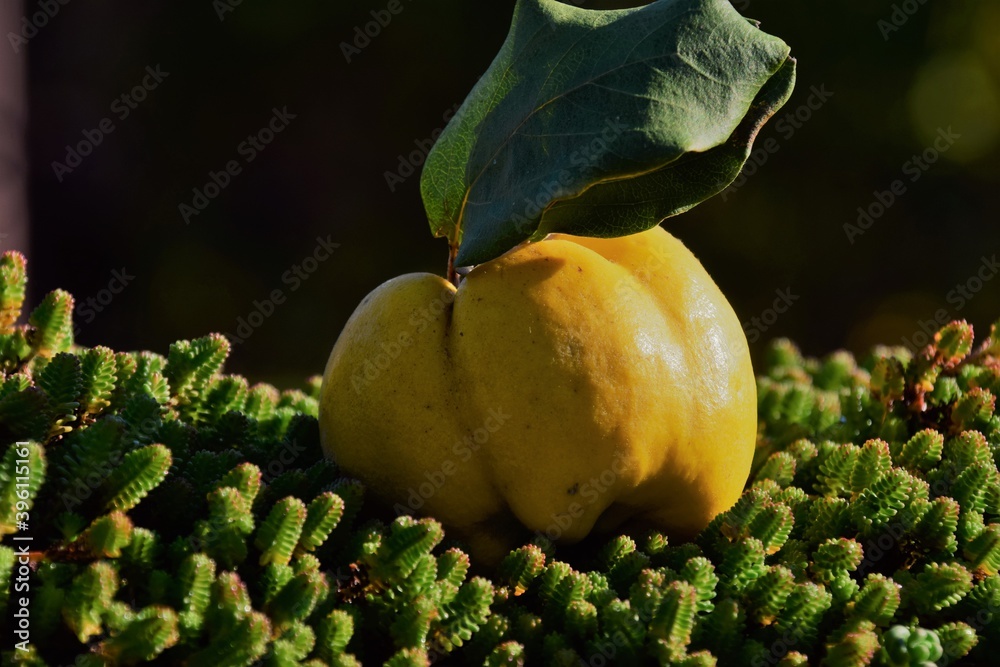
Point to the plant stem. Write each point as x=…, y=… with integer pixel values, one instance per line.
x=452, y=254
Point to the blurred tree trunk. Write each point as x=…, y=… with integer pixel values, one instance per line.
x=13, y=119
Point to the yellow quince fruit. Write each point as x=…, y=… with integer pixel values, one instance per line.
x=571, y=385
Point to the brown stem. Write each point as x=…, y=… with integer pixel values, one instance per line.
x=452, y=254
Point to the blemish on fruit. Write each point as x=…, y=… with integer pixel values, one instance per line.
x=573, y=489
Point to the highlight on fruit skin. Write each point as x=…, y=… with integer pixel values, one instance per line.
x=570, y=386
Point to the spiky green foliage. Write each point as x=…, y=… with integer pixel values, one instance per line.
x=902, y=646
x=521, y=567
x=97, y=379
x=13, y=279
x=280, y=532
x=52, y=324
x=22, y=471
x=190, y=367
x=140, y=472
x=89, y=595
x=61, y=379
x=180, y=516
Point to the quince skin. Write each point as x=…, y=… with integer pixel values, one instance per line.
x=571, y=385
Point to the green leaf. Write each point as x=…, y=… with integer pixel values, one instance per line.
x=407, y=542
x=153, y=630
x=25, y=414
x=52, y=321
x=280, y=532
x=62, y=381
x=97, y=367
x=261, y=402
x=522, y=566
x=190, y=366
x=940, y=585
x=877, y=601
x=322, y=516
x=954, y=342
x=408, y=657
x=230, y=602
x=855, y=646
x=507, y=653
x=14, y=349
x=13, y=279
x=224, y=394
x=767, y=595
x=700, y=573
x=602, y=123
x=142, y=550
x=140, y=472
x=273, y=578
x=983, y=552
x=674, y=618
x=240, y=644
x=294, y=644
x=197, y=573
x=465, y=614
x=107, y=535
x=223, y=534
x=7, y=561
x=956, y=640
x=333, y=634
x=90, y=594
x=298, y=598
x=245, y=478
x=453, y=566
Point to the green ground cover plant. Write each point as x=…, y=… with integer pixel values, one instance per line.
x=156, y=509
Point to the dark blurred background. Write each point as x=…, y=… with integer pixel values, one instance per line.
x=898, y=72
